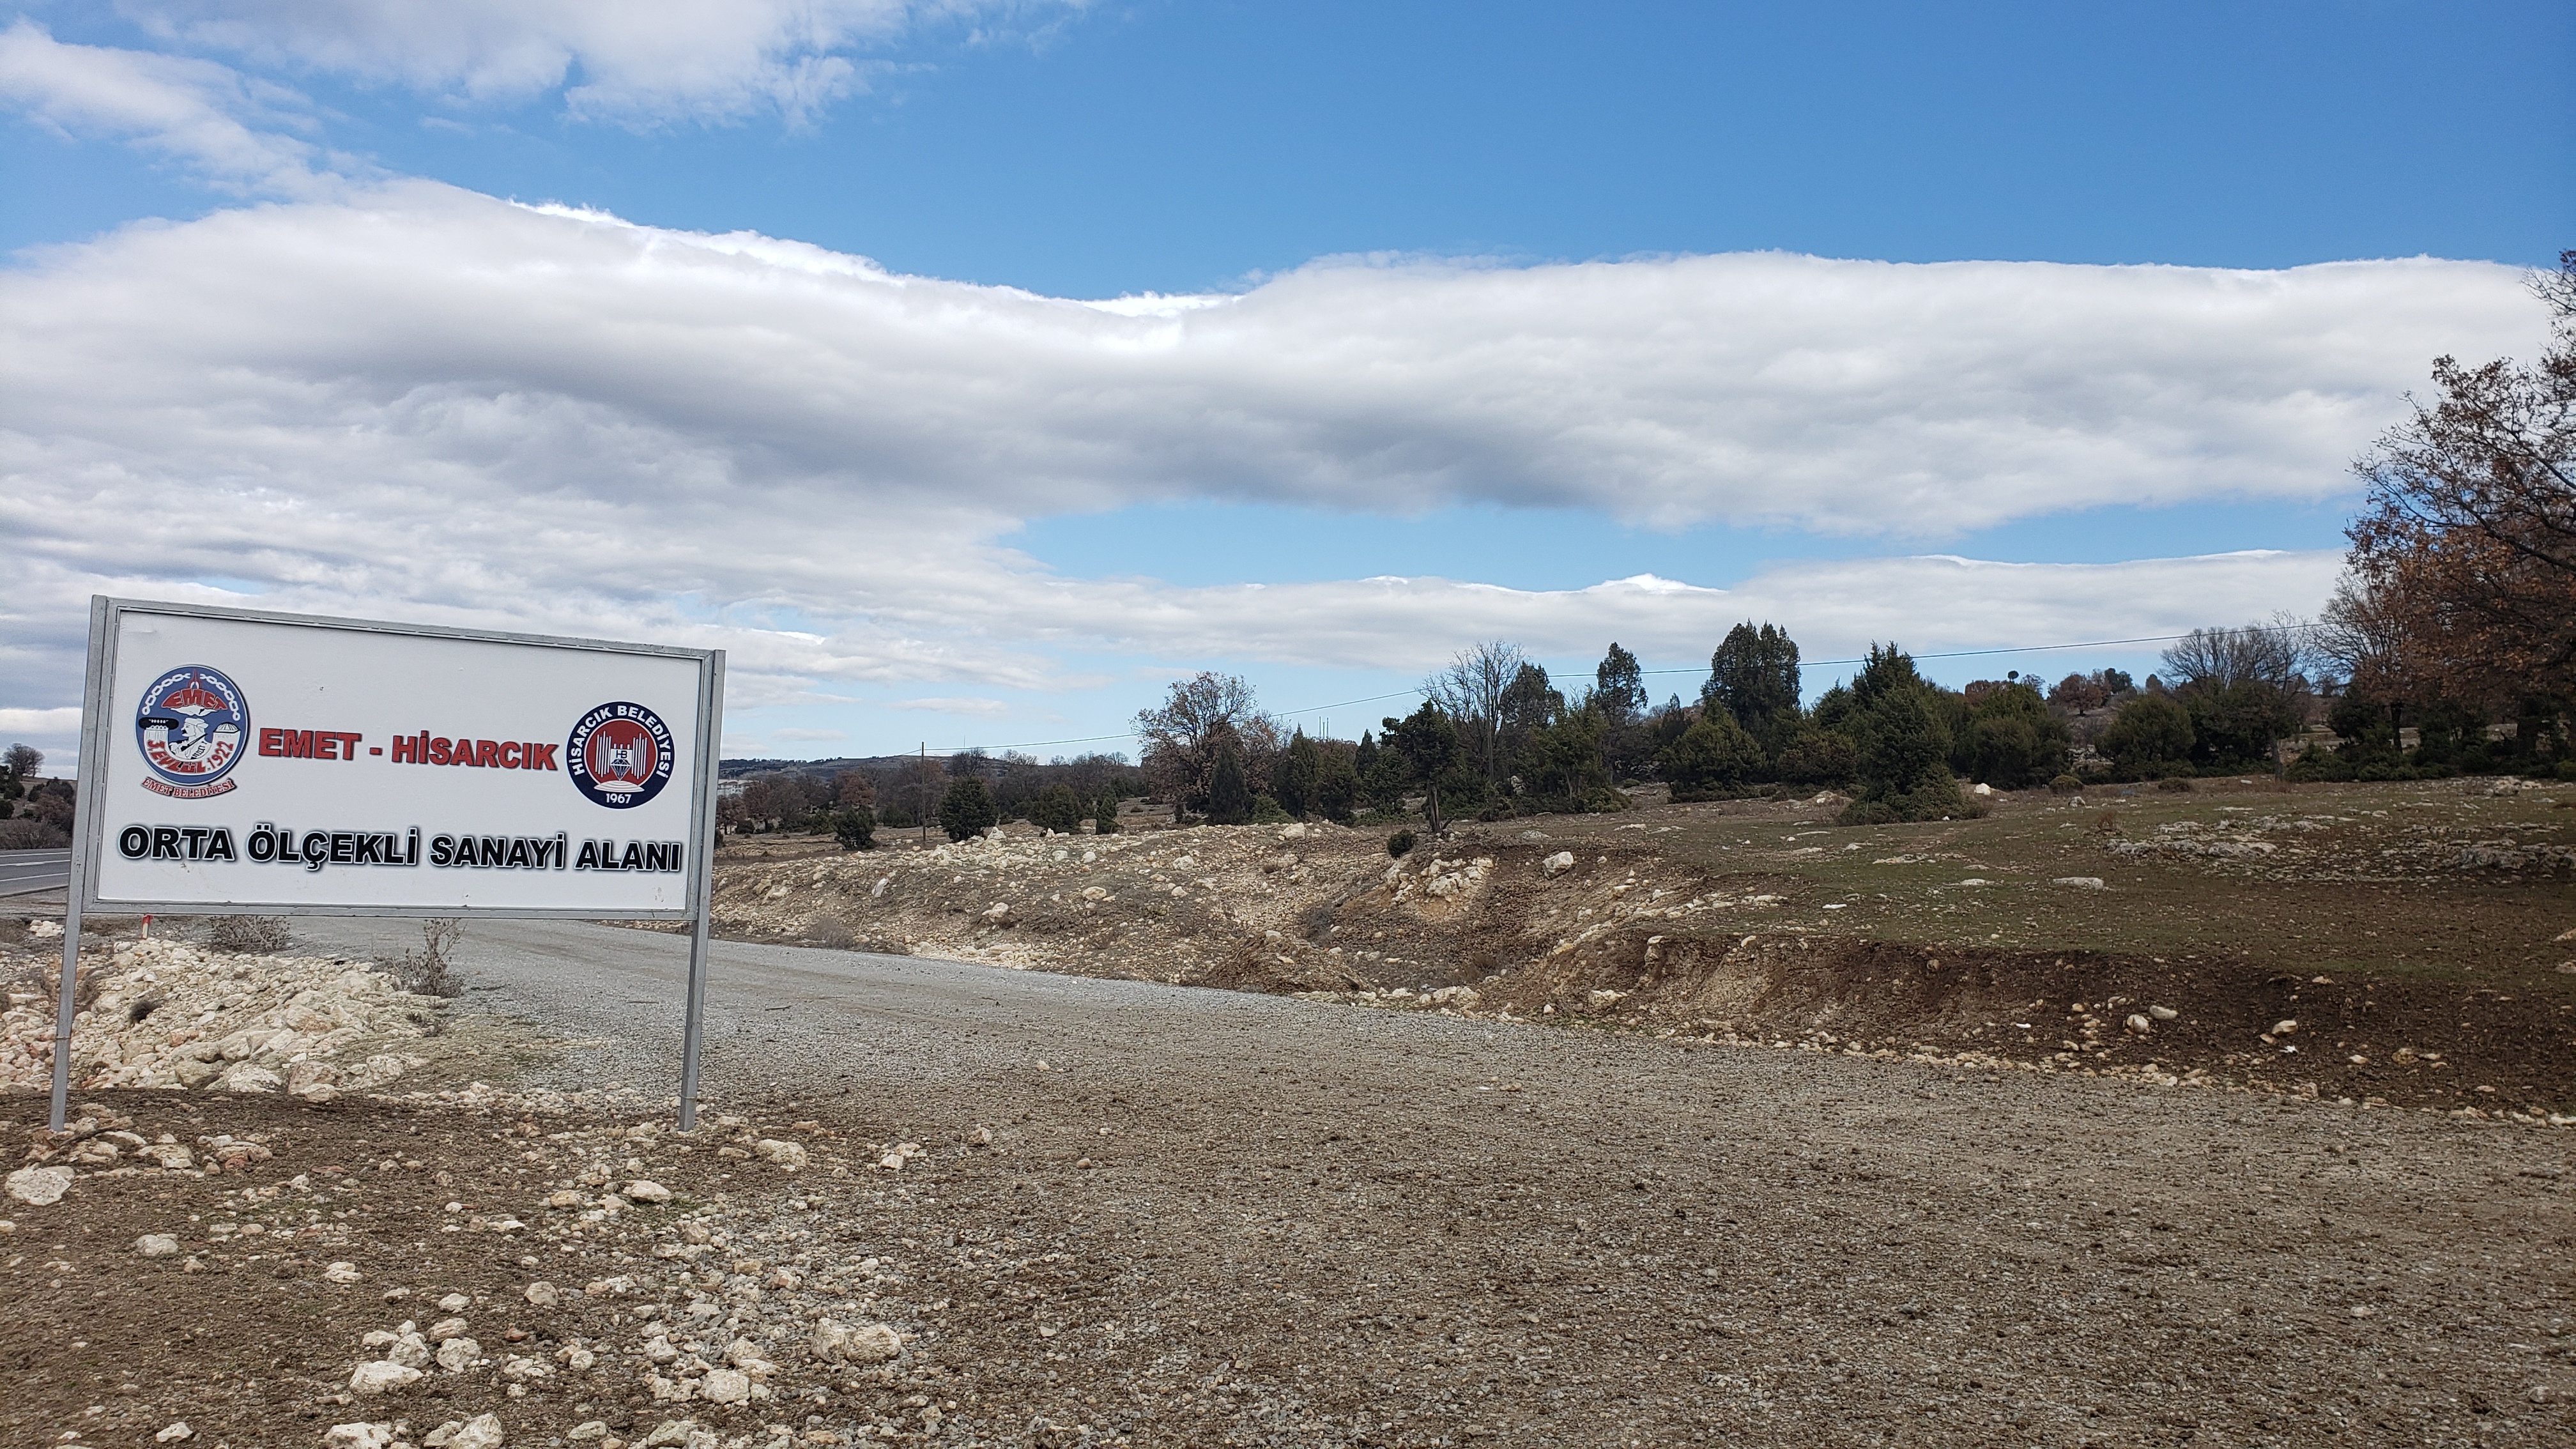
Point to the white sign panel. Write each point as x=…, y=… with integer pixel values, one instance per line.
x=243, y=761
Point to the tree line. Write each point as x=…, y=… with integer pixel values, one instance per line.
x=962, y=794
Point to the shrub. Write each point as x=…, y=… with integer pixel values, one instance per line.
x=1868, y=812
x=27, y=833
x=855, y=828
x=2066, y=785
x=1267, y=811
x=2175, y=783
x=1399, y=844
x=251, y=935
x=426, y=972
x=1104, y=816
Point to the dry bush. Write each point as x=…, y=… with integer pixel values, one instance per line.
x=427, y=971
x=32, y=834
x=830, y=931
x=248, y=935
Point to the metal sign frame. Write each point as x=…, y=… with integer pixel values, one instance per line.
x=88, y=836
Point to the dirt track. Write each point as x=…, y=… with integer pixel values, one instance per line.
x=1219, y=1218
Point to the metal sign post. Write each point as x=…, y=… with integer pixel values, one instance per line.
x=239, y=762
x=702, y=893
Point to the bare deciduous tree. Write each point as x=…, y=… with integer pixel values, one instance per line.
x=1470, y=688
x=2275, y=654
x=1182, y=737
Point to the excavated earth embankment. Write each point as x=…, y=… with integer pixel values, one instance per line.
x=1511, y=924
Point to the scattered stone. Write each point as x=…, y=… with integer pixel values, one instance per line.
x=483, y=1431
x=789, y=1155
x=868, y=1343
x=40, y=1186
x=670, y=1434
x=2284, y=1027
x=157, y=1245
x=342, y=1273
x=382, y=1376
x=2163, y=1013
x=541, y=1294
x=2138, y=1023
x=177, y=1432
x=520, y=1369
x=587, y=1430
x=647, y=1191
x=358, y=1436
x=725, y=1386
x=1557, y=864
x=456, y=1355
x=2080, y=882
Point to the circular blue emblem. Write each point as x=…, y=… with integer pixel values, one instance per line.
x=192, y=726
x=619, y=755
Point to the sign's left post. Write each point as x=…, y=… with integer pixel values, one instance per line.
x=84, y=827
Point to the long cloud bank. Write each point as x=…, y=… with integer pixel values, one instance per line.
x=417, y=400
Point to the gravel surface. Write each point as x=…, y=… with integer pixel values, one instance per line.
x=1291, y=1223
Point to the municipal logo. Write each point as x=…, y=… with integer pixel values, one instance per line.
x=191, y=726
x=619, y=755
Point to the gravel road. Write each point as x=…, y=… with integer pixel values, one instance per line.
x=1409, y=1229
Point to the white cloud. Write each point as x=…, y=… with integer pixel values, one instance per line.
x=227, y=128
x=425, y=403
x=976, y=708
x=50, y=722
x=628, y=60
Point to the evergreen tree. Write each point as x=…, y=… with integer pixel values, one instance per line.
x=1529, y=703
x=2151, y=735
x=1619, y=685
x=967, y=810
x=1426, y=743
x=2012, y=742
x=1294, y=779
x=855, y=827
x=1104, y=815
x=1714, y=756
x=1337, y=788
x=1903, y=759
x=1229, y=791
x=1056, y=808
x=1754, y=675
x=1564, y=762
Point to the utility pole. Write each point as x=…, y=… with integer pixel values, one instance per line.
x=921, y=816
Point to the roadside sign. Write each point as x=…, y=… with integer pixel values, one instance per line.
x=235, y=761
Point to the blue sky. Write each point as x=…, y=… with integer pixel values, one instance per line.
x=1230, y=151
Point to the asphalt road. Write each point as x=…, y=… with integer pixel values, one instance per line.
x=1417, y=1229
x=33, y=872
